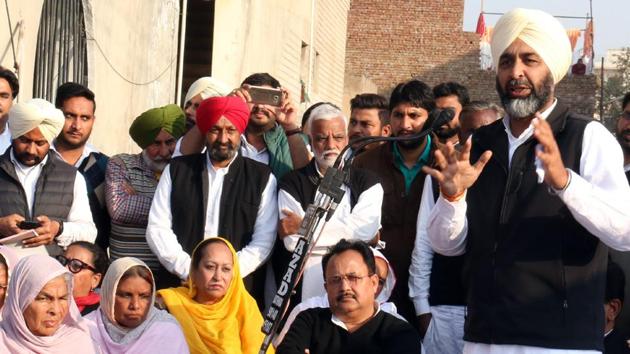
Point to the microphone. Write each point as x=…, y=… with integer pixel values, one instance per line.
x=437, y=118
x=440, y=117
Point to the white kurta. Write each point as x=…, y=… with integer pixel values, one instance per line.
x=87, y=150
x=359, y=223
x=163, y=241
x=445, y=333
x=248, y=150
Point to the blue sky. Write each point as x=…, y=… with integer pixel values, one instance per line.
x=611, y=18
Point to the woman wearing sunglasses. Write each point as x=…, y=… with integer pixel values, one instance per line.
x=88, y=263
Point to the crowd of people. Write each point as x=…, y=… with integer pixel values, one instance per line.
x=489, y=235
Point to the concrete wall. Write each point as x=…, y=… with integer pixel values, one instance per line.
x=390, y=41
x=25, y=21
x=133, y=64
x=132, y=59
x=267, y=36
x=132, y=52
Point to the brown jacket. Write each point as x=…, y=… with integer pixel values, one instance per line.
x=398, y=220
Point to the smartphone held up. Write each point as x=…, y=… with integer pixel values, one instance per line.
x=265, y=95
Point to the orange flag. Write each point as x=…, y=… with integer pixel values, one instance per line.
x=573, y=34
x=588, y=39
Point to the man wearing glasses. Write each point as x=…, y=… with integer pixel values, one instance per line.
x=622, y=131
x=354, y=323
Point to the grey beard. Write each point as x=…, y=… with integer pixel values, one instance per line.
x=520, y=108
x=219, y=156
x=155, y=166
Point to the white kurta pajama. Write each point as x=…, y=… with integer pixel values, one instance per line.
x=163, y=240
x=359, y=223
x=597, y=197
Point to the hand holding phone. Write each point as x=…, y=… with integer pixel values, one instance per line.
x=29, y=225
x=265, y=95
x=9, y=224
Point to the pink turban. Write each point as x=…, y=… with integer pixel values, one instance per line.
x=212, y=109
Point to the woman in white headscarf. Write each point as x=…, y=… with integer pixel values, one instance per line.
x=127, y=321
x=8, y=259
x=40, y=315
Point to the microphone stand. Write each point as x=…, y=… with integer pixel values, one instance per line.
x=329, y=195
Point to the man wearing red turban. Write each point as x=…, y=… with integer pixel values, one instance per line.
x=214, y=193
x=212, y=109
x=219, y=118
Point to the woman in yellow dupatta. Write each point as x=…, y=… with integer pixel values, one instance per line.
x=216, y=312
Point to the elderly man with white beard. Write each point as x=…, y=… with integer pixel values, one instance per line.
x=534, y=201
x=131, y=181
x=358, y=216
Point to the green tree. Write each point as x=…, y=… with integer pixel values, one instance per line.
x=615, y=87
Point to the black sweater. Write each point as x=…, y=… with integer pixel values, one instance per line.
x=313, y=329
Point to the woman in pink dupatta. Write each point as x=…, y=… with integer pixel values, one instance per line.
x=40, y=315
x=128, y=288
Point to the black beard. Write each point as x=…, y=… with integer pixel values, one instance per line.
x=411, y=144
x=256, y=128
x=520, y=108
x=446, y=133
x=65, y=143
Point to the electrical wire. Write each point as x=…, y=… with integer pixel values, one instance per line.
x=122, y=76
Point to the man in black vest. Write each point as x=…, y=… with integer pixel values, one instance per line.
x=622, y=130
x=37, y=189
x=546, y=196
x=78, y=105
x=358, y=215
x=216, y=193
x=435, y=281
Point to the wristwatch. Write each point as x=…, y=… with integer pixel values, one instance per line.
x=293, y=131
x=60, y=228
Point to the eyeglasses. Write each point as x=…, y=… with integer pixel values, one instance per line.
x=73, y=264
x=352, y=279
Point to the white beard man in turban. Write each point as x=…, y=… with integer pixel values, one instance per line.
x=534, y=200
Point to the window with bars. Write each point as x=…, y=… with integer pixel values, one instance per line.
x=61, y=53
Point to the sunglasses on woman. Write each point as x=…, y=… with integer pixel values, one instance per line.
x=73, y=264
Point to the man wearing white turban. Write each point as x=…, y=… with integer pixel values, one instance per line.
x=37, y=189
x=203, y=88
x=534, y=201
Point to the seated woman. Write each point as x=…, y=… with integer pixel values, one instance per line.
x=87, y=262
x=40, y=315
x=216, y=312
x=127, y=321
x=8, y=259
